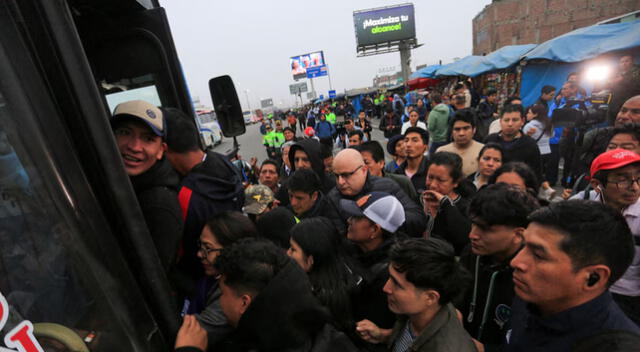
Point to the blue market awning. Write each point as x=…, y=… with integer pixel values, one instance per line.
x=426, y=72
x=588, y=42
x=456, y=68
x=500, y=59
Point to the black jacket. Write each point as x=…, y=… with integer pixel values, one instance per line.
x=415, y=220
x=157, y=193
x=390, y=121
x=286, y=316
x=452, y=223
x=499, y=295
x=524, y=149
x=210, y=188
x=372, y=302
x=420, y=177
x=565, y=330
x=323, y=207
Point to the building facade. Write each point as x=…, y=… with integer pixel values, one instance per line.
x=509, y=22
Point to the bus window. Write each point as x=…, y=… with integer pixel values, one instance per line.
x=47, y=273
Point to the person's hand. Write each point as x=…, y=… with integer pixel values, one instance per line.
x=531, y=131
x=371, y=333
x=431, y=201
x=191, y=334
x=566, y=193
x=253, y=161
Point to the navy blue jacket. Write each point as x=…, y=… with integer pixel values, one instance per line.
x=562, y=331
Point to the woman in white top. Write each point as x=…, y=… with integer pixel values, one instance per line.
x=413, y=122
x=539, y=128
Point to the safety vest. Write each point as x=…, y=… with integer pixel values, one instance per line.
x=273, y=139
x=331, y=117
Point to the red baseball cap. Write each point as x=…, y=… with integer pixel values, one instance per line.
x=613, y=159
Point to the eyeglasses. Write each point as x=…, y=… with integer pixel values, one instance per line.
x=346, y=175
x=202, y=248
x=626, y=184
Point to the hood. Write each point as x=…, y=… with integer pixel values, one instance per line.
x=216, y=178
x=312, y=148
x=443, y=108
x=285, y=314
x=161, y=174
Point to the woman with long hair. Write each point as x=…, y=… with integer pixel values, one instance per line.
x=317, y=247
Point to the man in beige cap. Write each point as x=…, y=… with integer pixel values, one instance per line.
x=139, y=129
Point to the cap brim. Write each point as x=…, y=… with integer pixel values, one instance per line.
x=350, y=208
x=255, y=208
x=154, y=129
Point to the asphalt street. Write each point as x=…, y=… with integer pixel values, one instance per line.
x=251, y=142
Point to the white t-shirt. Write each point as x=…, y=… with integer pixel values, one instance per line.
x=542, y=140
x=408, y=124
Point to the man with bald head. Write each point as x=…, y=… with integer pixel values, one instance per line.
x=595, y=141
x=354, y=181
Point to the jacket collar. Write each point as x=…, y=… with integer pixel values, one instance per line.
x=572, y=319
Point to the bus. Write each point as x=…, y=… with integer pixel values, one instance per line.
x=76, y=257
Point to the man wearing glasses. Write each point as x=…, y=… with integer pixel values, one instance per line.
x=615, y=176
x=353, y=181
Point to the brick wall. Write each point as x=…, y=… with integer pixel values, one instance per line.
x=508, y=22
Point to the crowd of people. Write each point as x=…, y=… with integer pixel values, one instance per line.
x=458, y=242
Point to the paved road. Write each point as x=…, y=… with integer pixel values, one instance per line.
x=251, y=142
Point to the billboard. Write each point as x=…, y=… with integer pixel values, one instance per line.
x=298, y=88
x=266, y=103
x=300, y=64
x=383, y=25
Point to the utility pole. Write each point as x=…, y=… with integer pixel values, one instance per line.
x=246, y=94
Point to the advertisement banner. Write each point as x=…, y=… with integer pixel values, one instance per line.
x=266, y=103
x=300, y=64
x=377, y=26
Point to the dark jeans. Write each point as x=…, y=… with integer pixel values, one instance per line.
x=552, y=164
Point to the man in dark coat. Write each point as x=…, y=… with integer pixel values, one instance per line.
x=353, y=181
x=210, y=185
x=308, y=201
x=499, y=217
x=267, y=297
x=139, y=130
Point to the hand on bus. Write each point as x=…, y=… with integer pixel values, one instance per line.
x=191, y=334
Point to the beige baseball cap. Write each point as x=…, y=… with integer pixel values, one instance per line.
x=144, y=111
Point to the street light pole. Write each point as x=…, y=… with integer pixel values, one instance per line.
x=246, y=94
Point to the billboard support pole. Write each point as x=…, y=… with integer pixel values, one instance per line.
x=405, y=61
x=329, y=76
x=313, y=89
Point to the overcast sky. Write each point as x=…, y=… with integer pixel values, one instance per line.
x=252, y=42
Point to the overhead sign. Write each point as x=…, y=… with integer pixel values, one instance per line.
x=317, y=72
x=300, y=64
x=266, y=103
x=321, y=97
x=383, y=25
x=332, y=94
x=298, y=88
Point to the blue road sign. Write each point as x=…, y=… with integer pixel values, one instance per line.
x=313, y=72
x=332, y=94
x=321, y=97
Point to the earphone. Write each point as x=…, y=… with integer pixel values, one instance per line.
x=593, y=279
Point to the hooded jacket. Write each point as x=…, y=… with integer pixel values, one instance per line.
x=286, y=316
x=523, y=149
x=438, y=123
x=492, y=284
x=415, y=220
x=312, y=148
x=211, y=187
x=157, y=193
